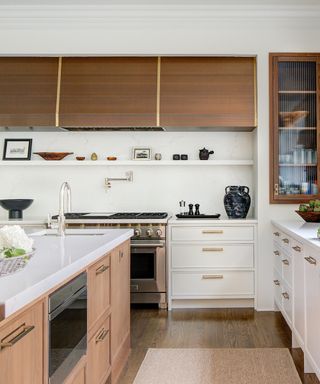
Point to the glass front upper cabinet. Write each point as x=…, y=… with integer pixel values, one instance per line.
x=294, y=125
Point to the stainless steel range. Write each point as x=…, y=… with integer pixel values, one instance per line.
x=148, y=249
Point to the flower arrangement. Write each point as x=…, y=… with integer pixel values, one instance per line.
x=14, y=242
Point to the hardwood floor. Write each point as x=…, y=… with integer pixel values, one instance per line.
x=207, y=328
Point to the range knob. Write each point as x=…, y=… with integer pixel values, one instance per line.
x=158, y=232
x=137, y=232
x=149, y=232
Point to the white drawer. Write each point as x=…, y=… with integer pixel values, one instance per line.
x=212, y=256
x=287, y=303
x=277, y=256
x=210, y=233
x=286, y=242
x=276, y=235
x=286, y=262
x=277, y=288
x=213, y=284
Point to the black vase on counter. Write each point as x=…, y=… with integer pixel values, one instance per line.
x=237, y=201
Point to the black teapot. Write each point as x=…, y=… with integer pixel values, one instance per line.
x=205, y=153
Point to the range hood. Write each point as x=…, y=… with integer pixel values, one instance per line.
x=125, y=129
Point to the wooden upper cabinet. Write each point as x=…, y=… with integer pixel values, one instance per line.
x=208, y=92
x=28, y=91
x=108, y=91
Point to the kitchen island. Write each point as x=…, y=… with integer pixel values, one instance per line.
x=103, y=257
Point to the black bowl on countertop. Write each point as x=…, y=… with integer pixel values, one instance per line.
x=15, y=206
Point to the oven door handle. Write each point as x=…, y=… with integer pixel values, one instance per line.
x=66, y=303
x=147, y=245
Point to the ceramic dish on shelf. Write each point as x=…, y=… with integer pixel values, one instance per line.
x=53, y=155
x=290, y=119
x=309, y=217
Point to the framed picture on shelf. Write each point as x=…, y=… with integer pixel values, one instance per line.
x=141, y=154
x=17, y=149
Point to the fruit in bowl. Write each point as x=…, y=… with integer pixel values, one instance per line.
x=310, y=212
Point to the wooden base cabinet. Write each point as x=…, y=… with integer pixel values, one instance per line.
x=99, y=363
x=120, y=303
x=21, y=348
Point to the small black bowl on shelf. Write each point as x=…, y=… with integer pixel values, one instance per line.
x=15, y=207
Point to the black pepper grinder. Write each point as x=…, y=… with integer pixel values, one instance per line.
x=197, y=212
x=190, y=213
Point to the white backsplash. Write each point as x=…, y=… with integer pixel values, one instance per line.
x=153, y=187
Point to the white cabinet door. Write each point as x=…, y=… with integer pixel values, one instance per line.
x=312, y=297
x=298, y=292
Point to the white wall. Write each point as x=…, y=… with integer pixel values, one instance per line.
x=177, y=30
x=153, y=188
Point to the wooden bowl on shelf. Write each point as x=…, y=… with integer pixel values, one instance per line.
x=309, y=217
x=289, y=119
x=53, y=155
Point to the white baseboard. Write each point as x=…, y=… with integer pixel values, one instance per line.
x=211, y=303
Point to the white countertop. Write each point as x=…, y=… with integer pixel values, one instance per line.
x=300, y=230
x=223, y=221
x=55, y=260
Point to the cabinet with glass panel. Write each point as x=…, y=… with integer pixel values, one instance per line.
x=294, y=127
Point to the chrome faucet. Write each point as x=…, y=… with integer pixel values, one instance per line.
x=65, y=194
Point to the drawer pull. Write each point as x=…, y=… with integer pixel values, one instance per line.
x=101, y=269
x=297, y=248
x=286, y=295
x=25, y=330
x=311, y=260
x=208, y=277
x=277, y=253
x=212, y=231
x=212, y=249
x=276, y=234
x=285, y=240
x=102, y=335
x=276, y=282
x=285, y=262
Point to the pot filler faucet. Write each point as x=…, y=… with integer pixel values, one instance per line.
x=64, y=206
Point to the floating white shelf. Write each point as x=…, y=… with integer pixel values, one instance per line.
x=106, y=163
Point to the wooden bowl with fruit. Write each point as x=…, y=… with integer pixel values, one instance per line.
x=310, y=212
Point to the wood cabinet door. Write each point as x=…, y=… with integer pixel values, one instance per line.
x=108, y=91
x=28, y=91
x=312, y=294
x=120, y=297
x=21, y=348
x=208, y=92
x=99, y=354
x=98, y=290
x=78, y=374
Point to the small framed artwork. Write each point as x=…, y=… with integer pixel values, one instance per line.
x=17, y=149
x=141, y=154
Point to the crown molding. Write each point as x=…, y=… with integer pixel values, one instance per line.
x=90, y=14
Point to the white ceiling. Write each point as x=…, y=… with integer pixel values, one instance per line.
x=238, y=3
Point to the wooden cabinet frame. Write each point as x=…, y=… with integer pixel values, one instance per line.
x=274, y=59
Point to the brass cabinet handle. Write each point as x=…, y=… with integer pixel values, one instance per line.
x=276, y=234
x=311, y=260
x=277, y=253
x=101, y=269
x=207, y=277
x=212, y=249
x=285, y=262
x=25, y=329
x=286, y=295
x=121, y=254
x=276, y=282
x=212, y=231
x=102, y=335
x=285, y=240
x=297, y=248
